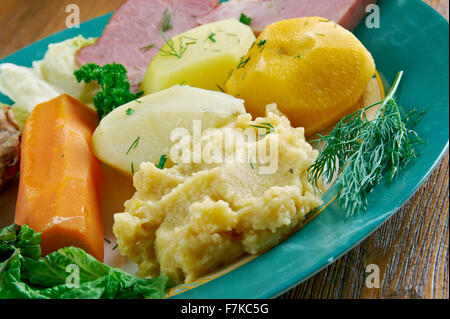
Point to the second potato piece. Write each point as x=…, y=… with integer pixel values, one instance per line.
x=140, y=130
x=202, y=57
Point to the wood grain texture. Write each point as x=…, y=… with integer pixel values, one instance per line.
x=411, y=248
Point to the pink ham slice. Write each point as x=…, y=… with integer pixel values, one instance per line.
x=132, y=35
x=347, y=13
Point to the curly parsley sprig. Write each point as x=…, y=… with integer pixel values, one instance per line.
x=363, y=151
x=115, y=88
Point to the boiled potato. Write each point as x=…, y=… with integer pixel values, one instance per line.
x=140, y=130
x=202, y=57
x=314, y=69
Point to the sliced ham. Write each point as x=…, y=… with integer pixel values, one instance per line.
x=347, y=13
x=132, y=36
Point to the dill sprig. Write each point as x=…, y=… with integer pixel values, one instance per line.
x=173, y=51
x=147, y=47
x=362, y=152
x=166, y=22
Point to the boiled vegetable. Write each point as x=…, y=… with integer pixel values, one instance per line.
x=60, y=179
x=202, y=57
x=315, y=71
x=140, y=130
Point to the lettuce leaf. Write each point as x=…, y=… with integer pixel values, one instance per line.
x=24, y=274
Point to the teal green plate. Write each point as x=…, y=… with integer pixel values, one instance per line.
x=412, y=37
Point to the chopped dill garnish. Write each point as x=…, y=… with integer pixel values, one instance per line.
x=251, y=164
x=174, y=51
x=133, y=146
x=166, y=22
x=267, y=126
x=362, y=152
x=138, y=101
x=132, y=167
x=281, y=51
x=211, y=37
x=162, y=162
x=129, y=111
x=115, y=246
x=261, y=43
x=244, y=19
x=107, y=240
x=299, y=56
x=147, y=47
x=320, y=34
x=243, y=63
x=220, y=88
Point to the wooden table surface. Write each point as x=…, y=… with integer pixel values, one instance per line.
x=411, y=248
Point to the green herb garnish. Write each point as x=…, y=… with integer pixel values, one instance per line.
x=166, y=22
x=243, y=62
x=175, y=51
x=244, y=19
x=162, y=162
x=147, y=48
x=24, y=274
x=115, y=88
x=364, y=151
x=129, y=111
x=133, y=145
x=220, y=88
x=267, y=126
x=211, y=37
x=262, y=45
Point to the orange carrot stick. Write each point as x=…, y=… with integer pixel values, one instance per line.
x=60, y=179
